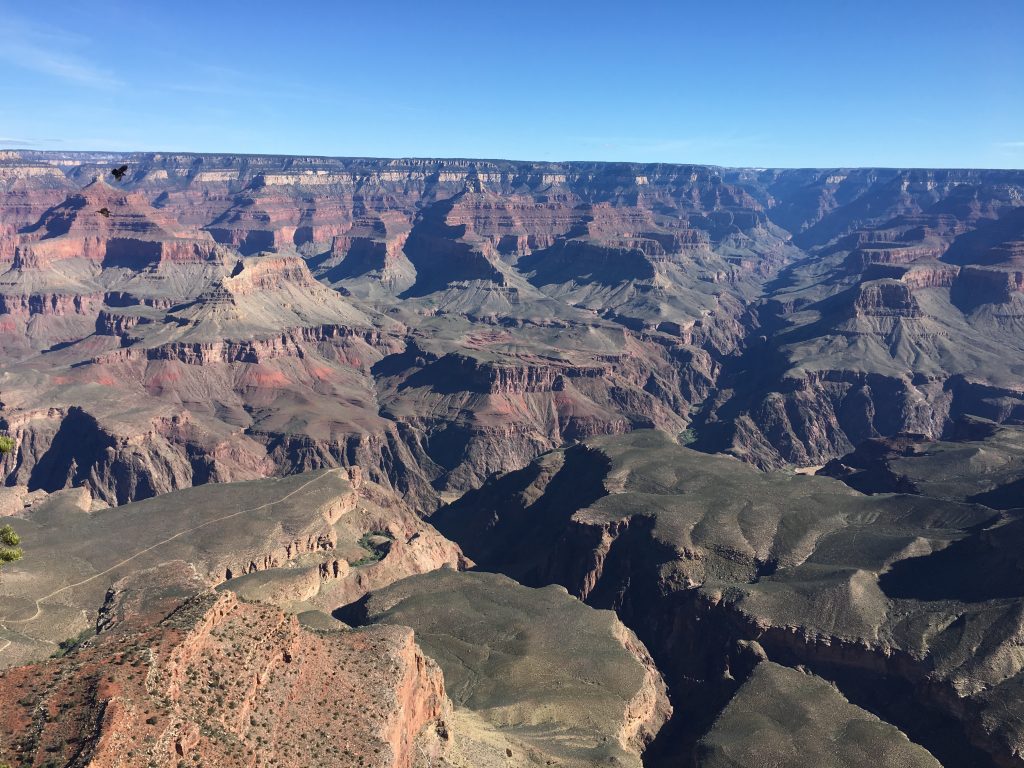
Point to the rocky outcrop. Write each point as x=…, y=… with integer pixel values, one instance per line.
x=62, y=448
x=787, y=718
x=308, y=542
x=227, y=683
x=292, y=343
x=893, y=254
x=460, y=373
x=584, y=678
x=978, y=285
x=377, y=257
x=113, y=323
x=918, y=276
x=715, y=567
x=771, y=314
x=56, y=304
x=885, y=298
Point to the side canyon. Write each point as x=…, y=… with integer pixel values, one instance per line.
x=495, y=463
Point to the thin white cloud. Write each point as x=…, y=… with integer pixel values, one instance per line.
x=7, y=141
x=217, y=80
x=211, y=79
x=1010, y=144
x=48, y=51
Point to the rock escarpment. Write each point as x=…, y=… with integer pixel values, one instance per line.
x=429, y=326
x=304, y=542
x=300, y=313
x=905, y=322
x=212, y=680
x=786, y=718
x=717, y=566
x=561, y=681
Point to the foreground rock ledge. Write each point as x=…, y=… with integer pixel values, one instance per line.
x=223, y=683
x=571, y=684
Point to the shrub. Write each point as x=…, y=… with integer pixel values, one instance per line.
x=376, y=550
x=10, y=549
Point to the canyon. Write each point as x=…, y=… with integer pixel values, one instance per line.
x=588, y=463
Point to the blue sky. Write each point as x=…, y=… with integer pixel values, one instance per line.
x=767, y=83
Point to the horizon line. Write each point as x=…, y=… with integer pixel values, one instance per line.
x=30, y=150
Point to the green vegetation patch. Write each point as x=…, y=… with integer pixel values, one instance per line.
x=377, y=545
x=68, y=646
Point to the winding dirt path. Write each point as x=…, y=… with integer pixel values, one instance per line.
x=39, y=609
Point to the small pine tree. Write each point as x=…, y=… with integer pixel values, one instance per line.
x=10, y=546
x=9, y=540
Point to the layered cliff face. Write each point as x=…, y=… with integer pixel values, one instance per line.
x=434, y=321
x=332, y=349
x=174, y=673
x=309, y=542
x=564, y=683
x=233, y=363
x=901, y=323
x=909, y=603
x=212, y=680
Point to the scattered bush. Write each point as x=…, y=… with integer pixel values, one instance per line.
x=376, y=549
x=67, y=646
x=10, y=545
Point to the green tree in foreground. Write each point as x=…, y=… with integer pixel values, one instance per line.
x=10, y=549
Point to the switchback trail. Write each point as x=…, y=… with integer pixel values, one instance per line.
x=38, y=603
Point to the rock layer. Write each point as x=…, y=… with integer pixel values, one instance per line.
x=434, y=321
x=299, y=542
x=562, y=681
x=909, y=603
x=216, y=681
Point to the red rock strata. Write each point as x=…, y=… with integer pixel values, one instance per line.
x=222, y=683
